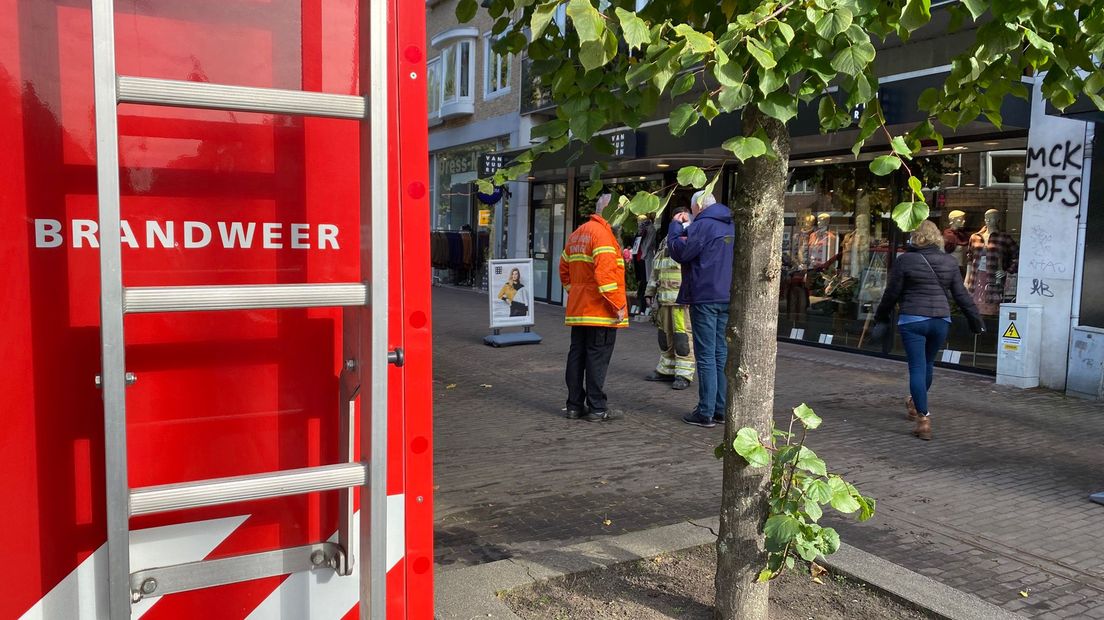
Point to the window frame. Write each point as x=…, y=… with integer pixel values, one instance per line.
x=497, y=60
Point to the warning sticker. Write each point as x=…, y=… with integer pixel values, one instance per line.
x=1012, y=333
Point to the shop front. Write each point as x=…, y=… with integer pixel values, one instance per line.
x=839, y=244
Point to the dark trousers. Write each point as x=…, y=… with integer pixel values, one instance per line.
x=587, y=362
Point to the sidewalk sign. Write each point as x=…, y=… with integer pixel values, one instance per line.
x=510, y=297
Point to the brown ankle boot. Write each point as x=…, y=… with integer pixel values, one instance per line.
x=923, y=428
x=913, y=414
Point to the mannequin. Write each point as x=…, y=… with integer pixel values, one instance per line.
x=956, y=240
x=797, y=292
x=823, y=243
x=801, y=244
x=990, y=258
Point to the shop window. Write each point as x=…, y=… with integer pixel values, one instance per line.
x=496, y=69
x=839, y=245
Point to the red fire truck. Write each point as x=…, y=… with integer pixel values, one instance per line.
x=216, y=322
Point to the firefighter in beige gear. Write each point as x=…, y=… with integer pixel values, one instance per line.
x=676, y=360
x=593, y=274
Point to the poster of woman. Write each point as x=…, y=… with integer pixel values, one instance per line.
x=511, y=293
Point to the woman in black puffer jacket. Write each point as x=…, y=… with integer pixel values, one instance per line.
x=919, y=284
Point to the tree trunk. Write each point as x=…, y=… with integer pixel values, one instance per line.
x=752, y=346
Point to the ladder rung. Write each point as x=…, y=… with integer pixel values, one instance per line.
x=168, y=497
x=235, y=569
x=179, y=93
x=139, y=300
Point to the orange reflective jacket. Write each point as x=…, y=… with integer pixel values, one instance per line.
x=593, y=274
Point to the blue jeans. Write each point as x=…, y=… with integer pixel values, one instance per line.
x=708, y=322
x=922, y=342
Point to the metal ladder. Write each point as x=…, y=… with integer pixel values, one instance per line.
x=365, y=303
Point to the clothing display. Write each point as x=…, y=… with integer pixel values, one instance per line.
x=990, y=258
x=823, y=247
x=455, y=249
x=517, y=296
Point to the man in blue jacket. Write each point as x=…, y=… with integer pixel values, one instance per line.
x=703, y=245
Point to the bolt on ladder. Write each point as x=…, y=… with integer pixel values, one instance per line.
x=364, y=302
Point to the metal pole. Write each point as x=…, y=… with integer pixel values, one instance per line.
x=374, y=238
x=111, y=310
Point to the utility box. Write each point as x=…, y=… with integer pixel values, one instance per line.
x=1019, y=345
x=1086, y=363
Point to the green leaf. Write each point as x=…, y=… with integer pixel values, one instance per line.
x=640, y=73
x=554, y=127
x=683, y=117
x=761, y=54
x=841, y=496
x=818, y=490
x=976, y=7
x=808, y=461
x=866, y=507
x=917, y=187
x=734, y=97
x=900, y=147
x=466, y=10
x=745, y=147
x=698, y=42
x=692, y=176
x=748, y=446
x=719, y=451
x=916, y=14
x=586, y=19
x=779, y=105
x=633, y=29
x=829, y=541
x=786, y=31
x=683, y=84
x=929, y=98
x=807, y=417
x=834, y=23
x=765, y=575
x=643, y=203
x=1038, y=42
x=781, y=529
x=813, y=510
x=542, y=16
x=909, y=215
x=885, y=164
x=770, y=81
x=593, y=54
x=727, y=72
x=853, y=59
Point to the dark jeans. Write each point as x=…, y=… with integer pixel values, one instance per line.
x=708, y=322
x=587, y=362
x=922, y=343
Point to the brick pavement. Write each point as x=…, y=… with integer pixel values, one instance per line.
x=996, y=504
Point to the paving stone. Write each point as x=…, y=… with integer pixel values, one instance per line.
x=996, y=503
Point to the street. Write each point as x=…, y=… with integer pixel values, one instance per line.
x=996, y=505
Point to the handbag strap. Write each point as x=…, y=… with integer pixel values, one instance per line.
x=932, y=269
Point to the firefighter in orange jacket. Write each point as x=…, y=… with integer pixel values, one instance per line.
x=593, y=274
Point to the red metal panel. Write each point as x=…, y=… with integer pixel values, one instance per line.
x=411, y=141
x=218, y=394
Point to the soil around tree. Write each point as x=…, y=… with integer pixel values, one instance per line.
x=680, y=586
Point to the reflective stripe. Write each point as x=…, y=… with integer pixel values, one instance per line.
x=602, y=320
x=620, y=262
x=603, y=249
x=577, y=258
x=605, y=288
